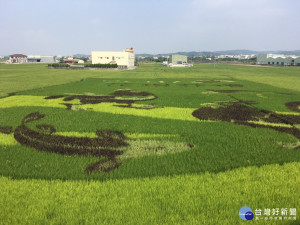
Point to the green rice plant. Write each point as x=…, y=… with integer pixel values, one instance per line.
x=166, y=112
x=130, y=135
x=163, y=113
x=140, y=148
x=176, y=169
x=99, y=65
x=288, y=113
x=7, y=140
x=185, y=199
x=27, y=100
x=149, y=135
x=291, y=145
x=137, y=98
x=77, y=134
x=270, y=124
x=58, y=65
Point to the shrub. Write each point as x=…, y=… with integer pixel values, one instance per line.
x=102, y=65
x=58, y=65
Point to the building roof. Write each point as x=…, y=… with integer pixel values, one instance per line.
x=274, y=56
x=131, y=50
x=33, y=56
x=178, y=55
x=18, y=55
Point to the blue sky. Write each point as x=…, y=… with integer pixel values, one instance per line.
x=68, y=27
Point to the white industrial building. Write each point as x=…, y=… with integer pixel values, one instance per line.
x=40, y=59
x=278, y=59
x=20, y=59
x=124, y=60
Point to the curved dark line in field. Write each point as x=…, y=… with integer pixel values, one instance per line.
x=105, y=145
x=65, y=145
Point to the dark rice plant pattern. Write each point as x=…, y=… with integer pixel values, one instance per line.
x=105, y=145
x=243, y=114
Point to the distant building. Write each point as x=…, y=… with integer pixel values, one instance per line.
x=178, y=59
x=17, y=58
x=165, y=63
x=69, y=61
x=20, y=58
x=226, y=57
x=236, y=57
x=278, y=59
x=40, y=59
x=123, y=59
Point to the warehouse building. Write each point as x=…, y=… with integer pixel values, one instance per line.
x=40, y=59
x=178, y=59
x=278, y=59
x=124, y=60
x=17, y=58
x=20, y=59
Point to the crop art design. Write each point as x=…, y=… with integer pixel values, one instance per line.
x=108, y=149
x=243, y=113
x=110, y=146
x=123, y=98
x=114, y=146
x=106, y=144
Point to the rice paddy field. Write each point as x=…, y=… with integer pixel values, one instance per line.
x=154, y=145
